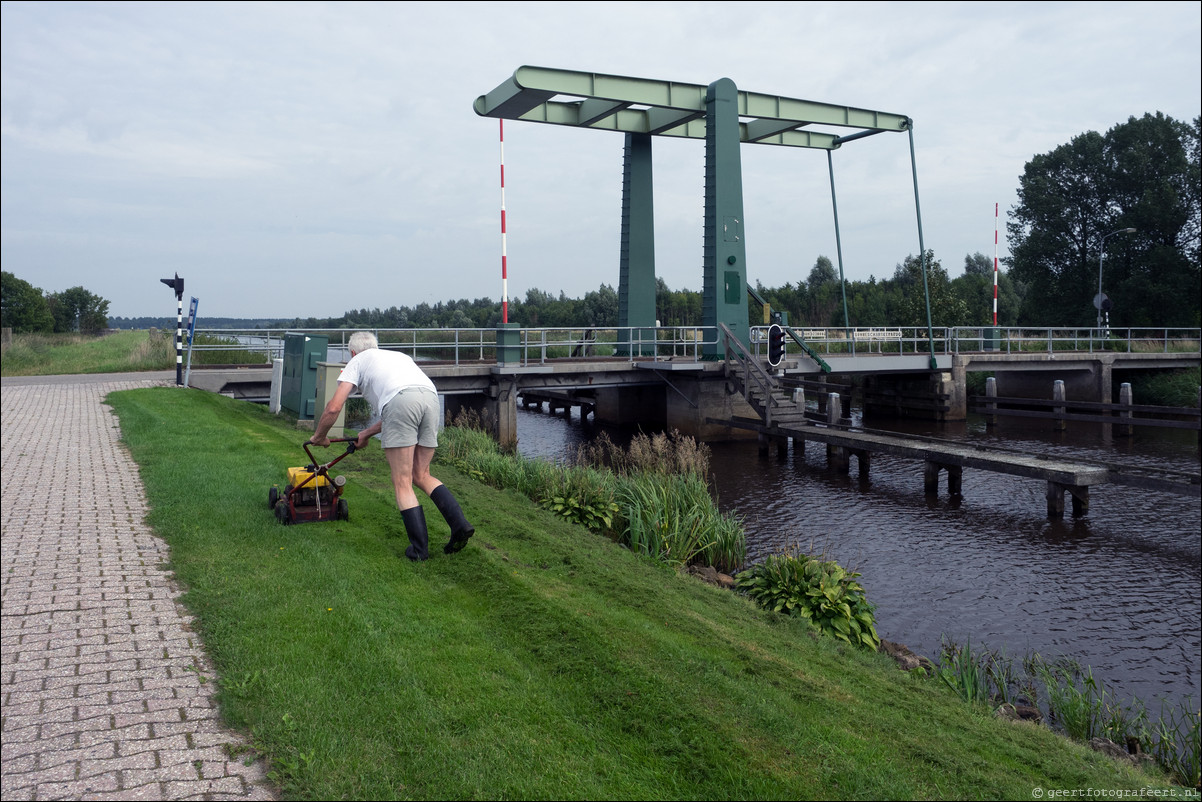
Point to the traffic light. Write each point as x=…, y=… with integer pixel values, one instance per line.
x=176, y=284
x=776, y=344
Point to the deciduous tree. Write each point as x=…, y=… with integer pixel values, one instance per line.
x=1142, y=174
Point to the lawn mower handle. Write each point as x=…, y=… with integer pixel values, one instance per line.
x=350, y=449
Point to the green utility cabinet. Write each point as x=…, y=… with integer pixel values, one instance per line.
x=302, y=352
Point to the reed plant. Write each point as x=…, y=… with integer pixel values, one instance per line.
x=1175, y=741
x=1077, y=703
x=964, y=673
x=653, y=497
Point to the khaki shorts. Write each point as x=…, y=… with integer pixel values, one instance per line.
x=411, y=419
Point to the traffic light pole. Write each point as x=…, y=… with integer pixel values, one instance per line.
x=177, y=284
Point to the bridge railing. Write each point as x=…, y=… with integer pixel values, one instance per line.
x=541, y=345
x=832, y=341
x=472, y=346
x=1019, y=340
x=878, y=340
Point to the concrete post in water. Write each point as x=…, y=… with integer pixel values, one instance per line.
x=930, y=478
x=1056, y=493
x=991, y=406
x=836, y=456
x=863, y=462
x=1058, y=412
x=955, y=479
x=799, y=399
x=1126, y=399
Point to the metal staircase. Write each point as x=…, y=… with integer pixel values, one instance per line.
x=747, y=376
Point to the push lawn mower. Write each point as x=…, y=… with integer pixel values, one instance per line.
x=310, y=494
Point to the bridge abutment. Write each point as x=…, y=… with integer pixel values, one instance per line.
x=496, y=408
x=1083, y=380
x=629, y=406
x=938, y=396
x=692, y=401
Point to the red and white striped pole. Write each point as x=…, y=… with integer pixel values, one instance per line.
x=504, y=265
x=995, y=216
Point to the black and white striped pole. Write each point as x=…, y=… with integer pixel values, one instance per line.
x=177, y=284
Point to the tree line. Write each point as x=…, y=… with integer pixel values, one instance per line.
x=26, y=308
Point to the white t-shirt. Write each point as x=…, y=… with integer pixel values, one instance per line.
x=380, y=375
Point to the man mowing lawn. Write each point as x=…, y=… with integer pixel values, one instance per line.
x=407, y=403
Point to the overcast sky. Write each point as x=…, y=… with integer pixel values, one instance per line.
x=304, y=159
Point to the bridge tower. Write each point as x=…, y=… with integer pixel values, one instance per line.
x=724, y=254
x=723, y=117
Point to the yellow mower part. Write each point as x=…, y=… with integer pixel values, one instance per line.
x=297, y=476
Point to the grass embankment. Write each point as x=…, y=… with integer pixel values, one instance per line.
x=540, y=662
x=64, y=354
x=117, y=352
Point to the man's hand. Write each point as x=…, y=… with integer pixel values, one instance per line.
x=323, y=441
x=362, y=440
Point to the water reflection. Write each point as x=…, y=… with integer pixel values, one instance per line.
x=1119, y=589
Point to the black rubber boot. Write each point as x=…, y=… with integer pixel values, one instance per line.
x=461, y=530
x=415, y=527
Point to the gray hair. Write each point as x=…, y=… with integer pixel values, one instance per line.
x=362, y=341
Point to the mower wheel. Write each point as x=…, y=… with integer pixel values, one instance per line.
x=273, y=495
x=281, y=512
x=342, y=512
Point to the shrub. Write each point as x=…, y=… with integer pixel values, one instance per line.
x=583, y=496
x=821, y=591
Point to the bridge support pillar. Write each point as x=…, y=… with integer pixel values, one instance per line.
x=766, y=441
x=930, y=478
x=863, y=463
x=724, y=251
x=496, y=409
x=1079, y=493
x=636, y=264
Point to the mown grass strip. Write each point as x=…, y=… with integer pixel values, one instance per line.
x=541, y=662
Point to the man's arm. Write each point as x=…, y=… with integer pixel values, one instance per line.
x=330, y=416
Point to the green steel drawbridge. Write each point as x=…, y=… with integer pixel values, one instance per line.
x=721, y=115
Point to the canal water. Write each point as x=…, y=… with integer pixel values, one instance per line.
x=1118, y=590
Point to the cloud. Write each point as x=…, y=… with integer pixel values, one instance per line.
x=304, y=159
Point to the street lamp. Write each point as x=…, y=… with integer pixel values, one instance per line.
x=1100, y=301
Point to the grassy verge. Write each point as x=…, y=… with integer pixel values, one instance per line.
x=543, y=661
x=63, y=354
x=119, y=352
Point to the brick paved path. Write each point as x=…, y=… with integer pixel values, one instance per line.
x=102, y=691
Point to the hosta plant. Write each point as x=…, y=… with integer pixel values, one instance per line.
x=821, y=591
